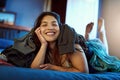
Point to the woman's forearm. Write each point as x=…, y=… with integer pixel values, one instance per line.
x=40, y=57
x=67, y=69
x=60, y=68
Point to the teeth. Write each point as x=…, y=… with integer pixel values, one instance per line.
x=50, y=33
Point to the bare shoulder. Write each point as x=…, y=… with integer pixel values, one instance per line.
x=78, y=48
x=78, y=59
x=79, y=52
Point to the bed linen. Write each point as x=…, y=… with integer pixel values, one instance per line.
x=4, y=43
x=19, y=73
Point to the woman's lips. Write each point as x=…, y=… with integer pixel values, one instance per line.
x=50, y=33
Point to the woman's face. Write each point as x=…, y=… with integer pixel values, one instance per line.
x=49, y=28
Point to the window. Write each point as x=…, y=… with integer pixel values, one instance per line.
x=81, y=12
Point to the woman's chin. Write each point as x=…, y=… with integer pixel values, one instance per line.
x=51, y=41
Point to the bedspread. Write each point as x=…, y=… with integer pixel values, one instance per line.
x=17, y=73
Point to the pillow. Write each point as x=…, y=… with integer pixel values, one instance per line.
x=1, y=50
x=4, y=43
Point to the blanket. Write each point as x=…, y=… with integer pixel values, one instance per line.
x=17, y=73
x=100, y=60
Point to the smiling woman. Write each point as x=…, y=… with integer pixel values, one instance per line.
x=47, y=33
x=49, y=28
x=49, y=46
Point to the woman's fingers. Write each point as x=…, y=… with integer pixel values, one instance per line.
x=39, y=35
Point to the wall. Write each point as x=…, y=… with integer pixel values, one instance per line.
x=111, y=14
x=26, y=10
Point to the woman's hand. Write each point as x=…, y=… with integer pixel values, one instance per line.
x=46, y=66
x=40, y=37
x=57, y=68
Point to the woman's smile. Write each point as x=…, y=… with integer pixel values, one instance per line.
x=49, y=28
x=50, y=33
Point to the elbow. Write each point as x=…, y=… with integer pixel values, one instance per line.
x=34, y=66
x=84, y=70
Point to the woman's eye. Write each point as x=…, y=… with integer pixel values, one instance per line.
x=44, y=25
x=54, y=25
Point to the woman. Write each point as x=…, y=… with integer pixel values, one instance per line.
x=47, y=30
x=41, y=48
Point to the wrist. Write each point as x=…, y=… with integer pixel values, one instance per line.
x=44, y=43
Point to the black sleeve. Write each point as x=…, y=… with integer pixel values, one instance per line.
x=17, y=58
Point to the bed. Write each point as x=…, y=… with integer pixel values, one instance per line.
x=9, y=72
x=17, y=73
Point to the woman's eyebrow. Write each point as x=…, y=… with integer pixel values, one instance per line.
x=43, y=22
x=54, y=21
x=51, y=21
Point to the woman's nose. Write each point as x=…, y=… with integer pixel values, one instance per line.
x=50, y=27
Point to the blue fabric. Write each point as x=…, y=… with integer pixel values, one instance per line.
x=17, y=73
x=1, y=50
x=5, y=43
x=100, y=60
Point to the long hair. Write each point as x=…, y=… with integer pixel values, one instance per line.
x=38, y=23
x=55, y=58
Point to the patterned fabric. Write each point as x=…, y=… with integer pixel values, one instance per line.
x=2, y=62
x=100, y=60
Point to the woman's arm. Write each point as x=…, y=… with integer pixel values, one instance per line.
x=40, y=57
x=58, y=68
x=78, y=61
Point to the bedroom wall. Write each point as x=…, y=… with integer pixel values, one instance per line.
x=26, y=10
x=111, y=14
